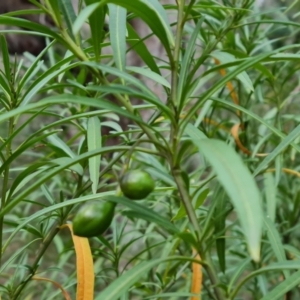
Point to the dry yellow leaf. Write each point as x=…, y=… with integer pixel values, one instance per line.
x=196, y=278
x=84, y=266
x=64, y=292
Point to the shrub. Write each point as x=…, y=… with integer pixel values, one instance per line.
x=217, y=131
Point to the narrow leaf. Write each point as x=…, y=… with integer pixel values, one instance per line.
x=94, y=142
x=96, y=21
x=66, y=98
x=83, y=15
x=196, y=278
x=117, y=29
x=284, y=287
x=5, y=56
x=141, y=50
x=270, y=194
x=275, y=242
x=220, y=229
x=188, y=56
x=148, y=11
x=283, y=144
x=84, y=266
x=126, y=280
x=162, y=15
x=57, y=142
x=240, y=186
x=150, y=74
x=56, y=284
x=69, y=15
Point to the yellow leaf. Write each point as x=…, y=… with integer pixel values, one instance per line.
x=64, y=292
x=85, y=267
x=196, y=278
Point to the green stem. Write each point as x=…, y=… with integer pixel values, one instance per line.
x=55, y=229
x=185, y=198
x=175, y=62
x=174, y=78
x=77, y=51
x=174, y=140
x=43, y=247
x=209, y=267
x=5, y=183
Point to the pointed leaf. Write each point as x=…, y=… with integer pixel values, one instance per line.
x=5, y=56
x=126, y=280
x=270, y=194
x=68, y=12
x=282, y=288
x=138, y=45
x=117, y=29
x=275, y=242
x=150, y=74
x=153, y=14
x=96, y=21
x=196, y=278
x=282, y=145
x=94, y=142
x=240, y=186
x=57, y=142
x=84, y=266
x=56, y=284
x=188, y=56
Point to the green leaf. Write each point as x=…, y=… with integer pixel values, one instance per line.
x=275, y=242
x=123, y=75
x=283, y=144
x=117, y=88
x=23, y=179
x=240, y=268
x=270, y=194
x=145, y=213
x=57, y=142
x=161, y=13
x=63, y=160
x=194, y=133
x=43, y=79
x=66, y=98
x=106, y=195
x=55, y=5
x=32, y=26
x=282, y=288
x=224, y=58
x=15, y=254
x=257, y=118
x=181, y=213
x=5, y=57
x=244, y=65
x=187, y=58
x=285, y=286
x=153, y=14
x=51, y=172
x=117, y=29
x=126, y=280
x=220, y=230
x=34, y=68
x=68, y=12
x=201, y=198
x=150, y=74
x=28, y=143
x=141, y=50
x=96, y=21
x=94, y=142
x=240, y=186
x=83, y=15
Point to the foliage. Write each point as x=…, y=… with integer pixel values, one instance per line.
x=219, y=135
